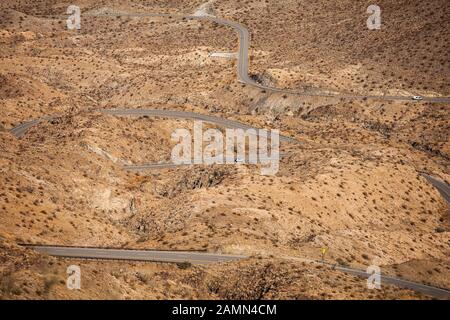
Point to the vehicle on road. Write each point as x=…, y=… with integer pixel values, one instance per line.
x=417, y=98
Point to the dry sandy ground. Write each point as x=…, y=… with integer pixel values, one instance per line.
x=353, y=186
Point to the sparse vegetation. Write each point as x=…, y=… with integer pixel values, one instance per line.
x=352, y=184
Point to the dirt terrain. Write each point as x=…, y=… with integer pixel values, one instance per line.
x=352, y=186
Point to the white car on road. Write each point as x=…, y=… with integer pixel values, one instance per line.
x=417, y=98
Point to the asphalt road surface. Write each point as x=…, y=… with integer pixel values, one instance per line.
x=187, y=115
x=242, y=68
x=442, y=186
x=418, y=287
x=168, y=165
x=207, y=258
x=135, y=255
x=243, y=76
x=20, y=130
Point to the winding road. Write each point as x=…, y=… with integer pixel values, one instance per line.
x=21, y=129
x=243, y=64
x=415, y=286
x=243, y=76
x=199, y=257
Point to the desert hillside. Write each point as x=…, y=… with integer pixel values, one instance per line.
x=352, y=185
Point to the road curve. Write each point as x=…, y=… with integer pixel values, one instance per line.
x=22, y=128
x=187, y=115
x=169, y=165
x=201, y=258
x=208, y=258
x=243, y=64
x=442, y=186
x=242, y=68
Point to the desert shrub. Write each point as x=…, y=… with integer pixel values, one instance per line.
x=184, y=265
